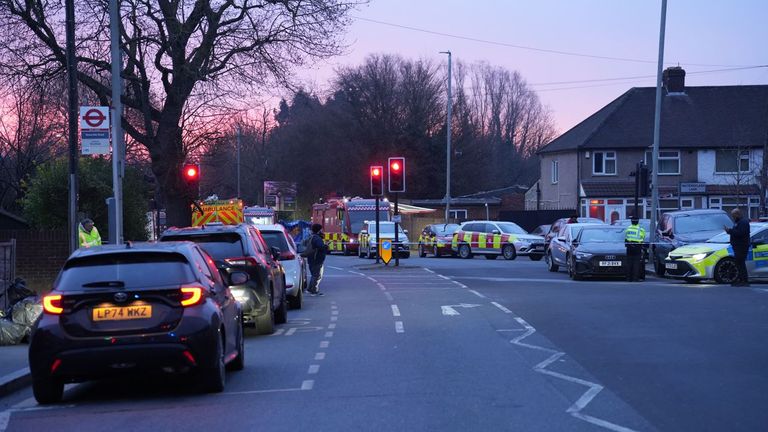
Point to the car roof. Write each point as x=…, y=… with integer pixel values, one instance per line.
x=695, y=212
x=181, y=247
x=174, y=231
x=269, y=227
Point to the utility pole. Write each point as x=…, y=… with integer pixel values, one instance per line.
x=238, y=160
x=448, y=143
x=657, y=124
x=118, y=149
x=72, y=121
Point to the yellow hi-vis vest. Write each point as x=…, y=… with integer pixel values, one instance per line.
x=634, y=234
x=88, y=239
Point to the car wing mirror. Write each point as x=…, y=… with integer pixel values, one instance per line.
x=275, y=252
x=238, y=278
x=495, y=232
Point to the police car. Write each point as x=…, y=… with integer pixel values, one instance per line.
x=369, y=242
x=492, y=238
x=713, y=259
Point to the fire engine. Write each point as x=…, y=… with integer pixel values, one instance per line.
x=342, y=220
x=228, y=212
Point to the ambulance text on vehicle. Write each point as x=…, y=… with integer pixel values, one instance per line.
x=227, y=212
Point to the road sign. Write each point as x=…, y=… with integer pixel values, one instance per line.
x=94, y=130
x=693, y=188
x=385, y=250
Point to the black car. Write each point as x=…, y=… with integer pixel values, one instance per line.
x=679, y=228
x=136, y=308
x=598, y=251
x=263, y=297
x=557, y=226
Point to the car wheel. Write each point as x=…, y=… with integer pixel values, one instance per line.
x=658, y=265
x=508, y=252
x=691, y=280
x=238, y=363
x=297, y=301
x=572, y=270
x=47, y=390
x=214, y=377
x=265, y=324
x=435, y=252
x=551, y=266
x=281, y=315
x=422, y=252
x=535, y=257
x=344, y=250
x=465, y=252
x=726, y=271
x=491, y=256
x=405, y=255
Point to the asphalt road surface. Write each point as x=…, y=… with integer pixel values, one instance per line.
x=456, y=345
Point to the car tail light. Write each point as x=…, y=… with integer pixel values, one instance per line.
x=191, y=296
x=55, y=365
x=287, y=256
x=242, y=261
x=190, y=358
x=52, y=304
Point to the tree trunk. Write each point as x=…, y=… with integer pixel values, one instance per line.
x=167, y=160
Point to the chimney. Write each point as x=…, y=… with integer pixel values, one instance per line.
x=674, y=79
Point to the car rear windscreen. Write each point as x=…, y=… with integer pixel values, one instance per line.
x=218, y=245
x=128, y=270
x=275, y=239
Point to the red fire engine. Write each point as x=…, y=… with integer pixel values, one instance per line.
x=342, y=220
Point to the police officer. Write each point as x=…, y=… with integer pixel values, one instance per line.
x=634, y=237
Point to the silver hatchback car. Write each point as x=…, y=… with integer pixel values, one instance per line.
x=293, y=264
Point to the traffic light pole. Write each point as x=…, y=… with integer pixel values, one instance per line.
x=638, y=167
x=397, y=237
x=118, y=150
x=378, y=241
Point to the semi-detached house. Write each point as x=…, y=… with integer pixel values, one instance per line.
x=711, y=152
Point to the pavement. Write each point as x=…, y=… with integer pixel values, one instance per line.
x=14, y=368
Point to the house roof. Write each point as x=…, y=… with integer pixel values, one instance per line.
x=709, y=117
x=457, y=201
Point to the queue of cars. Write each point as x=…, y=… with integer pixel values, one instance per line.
x=177, y=306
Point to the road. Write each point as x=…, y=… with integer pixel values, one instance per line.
x=456, y=345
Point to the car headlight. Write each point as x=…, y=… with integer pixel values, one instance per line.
x=700, y=256
x=583, y=255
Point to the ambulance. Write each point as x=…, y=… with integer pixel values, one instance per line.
x=342, y=220
x=227, y=212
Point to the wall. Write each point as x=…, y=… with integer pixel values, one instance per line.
x=39, y=255
x=706, y=171
x=563, y=194
x=626, y=162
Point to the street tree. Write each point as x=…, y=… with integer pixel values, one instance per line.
x=177, y=53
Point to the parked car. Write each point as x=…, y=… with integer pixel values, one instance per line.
x=558, y=225
x=493, y=239
x=436, y=239
x=369, y=244
x=132, y=308
x=263, y=297
x=294, y=266
x=560, y=248
x=679, y=228
x=713, y=259
x=598, y=251
x=644, y=223
x=542, y=230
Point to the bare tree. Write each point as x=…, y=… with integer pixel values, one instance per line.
x=173, y=49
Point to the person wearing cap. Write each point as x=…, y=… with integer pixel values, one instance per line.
x=634, y=237
x=88, y=235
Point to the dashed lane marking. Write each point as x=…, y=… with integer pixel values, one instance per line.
x=313, y=369
x=307, y=385
x=329, y=334
x=388, y=296
x=334, y=318
x=505, y=310
x=477, y=293
x=395, y=311
x=244, y=392
x=324, y=344
x=320, y=356
x=399, y=328
x=332, y=326
x=290, y=331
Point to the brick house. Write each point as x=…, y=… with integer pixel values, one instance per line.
x=711, y=152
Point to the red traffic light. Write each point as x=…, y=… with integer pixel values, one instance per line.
x=191, y=172
x=396, y=174
x=376, y=171
x=377, y=180
x=395, y=166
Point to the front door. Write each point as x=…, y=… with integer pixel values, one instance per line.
x=614, y=213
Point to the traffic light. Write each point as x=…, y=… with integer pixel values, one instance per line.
x=397, y=174
x=644, y=180
x=377, y=180
x=190, y=173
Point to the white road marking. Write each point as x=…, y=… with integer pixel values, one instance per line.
x=395, y=311
x=449, y=311
x=5, y=417
x=320, y=356
x=399, y=327
x=334, y=318
x=290, y=331
x=334, y=307
x=510, y=330
x=334, y=312
x=477, y=293
x=763, y=290
x=313, y=369
x=335, y=268
x=444, y=277
x=381, y=285
x=278, y=332
x=332, y=326
x=431, y=271
x=329, y=334
x=505, y=310
x=324, y=344
x=388, y=296
x=307, y=385
x=265, y=391
x=371, y=279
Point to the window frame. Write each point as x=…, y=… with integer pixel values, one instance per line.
x=741, y=156
x=604, y=158
x=555, y=172
x=678, y=158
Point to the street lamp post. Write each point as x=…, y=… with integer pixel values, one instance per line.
x=657, y=123
x=448, y=143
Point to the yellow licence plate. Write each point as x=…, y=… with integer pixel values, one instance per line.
x=122, y=313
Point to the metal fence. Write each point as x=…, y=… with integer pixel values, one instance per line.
x=7, y=269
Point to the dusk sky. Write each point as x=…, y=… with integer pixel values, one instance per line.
x=702, y=35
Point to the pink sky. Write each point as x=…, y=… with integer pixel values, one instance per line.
x=702, y=35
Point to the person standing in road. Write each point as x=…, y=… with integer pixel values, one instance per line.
x=740, y=243
x=88, y=235
x=315, y=253
x=633, y=239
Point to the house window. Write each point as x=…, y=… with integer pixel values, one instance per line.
x=458, y=214
x=555, y=172
x=731, y=161
x=669, y=162
x=686, y=203
x=604, y=163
